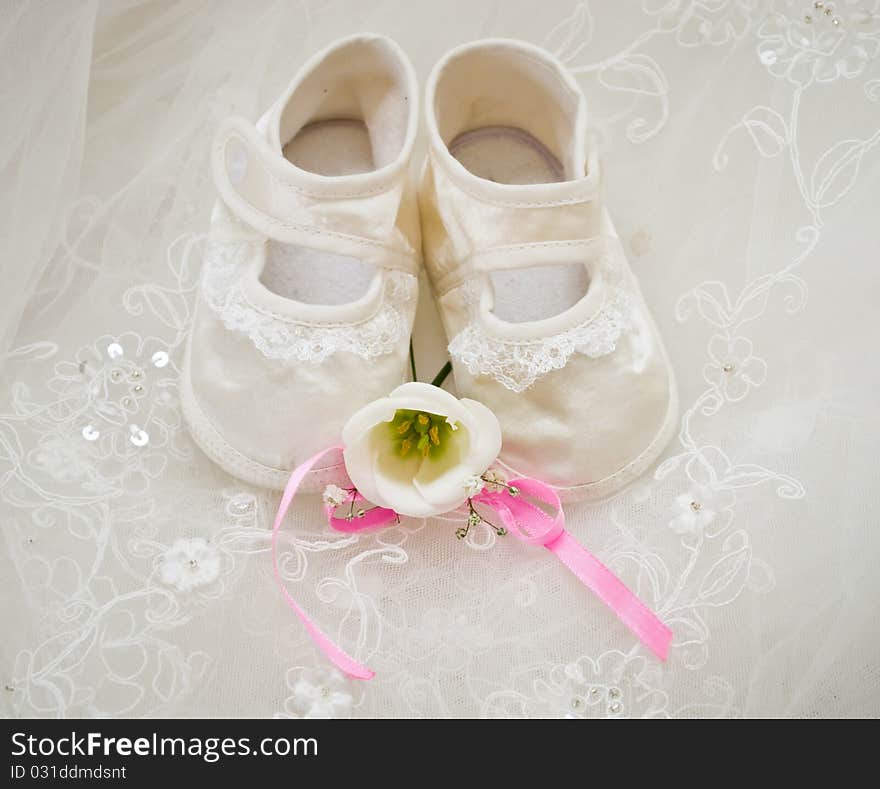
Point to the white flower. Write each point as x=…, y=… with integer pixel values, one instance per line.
x=614, y=685
x=410, y=451
x=473, y=485
x=734, y=369
x=190, y=563
x=696, y=511
x=65, y=457
x=495, y=480
x=321, y=694
x=803, y=43
x=705, y=21
x=334, y=496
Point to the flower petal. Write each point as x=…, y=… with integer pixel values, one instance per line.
x=416, y=390
x=415, y=485
x=683, y=502
x=719, y=349
x=740, y=348
x=441, y=481
x=736, y=387
x=475, y=447
x=393, y=477
x=362, y=421
x=485, y=441
x=754, y=371
x=358, y=458
x=683, y=524
x=418, y=396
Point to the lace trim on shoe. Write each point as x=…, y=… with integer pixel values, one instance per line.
x=279, y=337
x=517, y=364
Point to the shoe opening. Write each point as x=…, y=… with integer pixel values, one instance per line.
x=312, y=276
x=350, y=113
x=511, y=115
x=508, y=115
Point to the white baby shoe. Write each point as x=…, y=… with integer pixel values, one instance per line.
x=546, y=322
x=309, y=285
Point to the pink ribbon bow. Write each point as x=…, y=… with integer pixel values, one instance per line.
x=525, y=519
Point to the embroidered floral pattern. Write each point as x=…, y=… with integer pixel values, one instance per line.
x=94, y=629
x=115, y=414
x=820, y=41
x=189, y=564
x=614, y=685
x=696, y=22
x=452, y=638
x=319, y=693
x=701, y=508
x=733, y=368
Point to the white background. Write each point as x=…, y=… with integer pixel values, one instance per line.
x=741, y=160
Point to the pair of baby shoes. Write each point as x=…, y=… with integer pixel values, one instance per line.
x=311, y=270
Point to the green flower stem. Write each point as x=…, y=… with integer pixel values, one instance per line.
x=412, y=361
x=442, y=375
x=474, y=518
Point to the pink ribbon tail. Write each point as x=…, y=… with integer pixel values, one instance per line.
x=521, y=514
x=343, y=661
x=612, y=591
x=534, y=525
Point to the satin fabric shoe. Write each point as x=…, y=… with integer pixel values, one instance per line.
x=546, y=322
x=310, y=274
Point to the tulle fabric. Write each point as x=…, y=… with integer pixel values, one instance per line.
x=742, y=172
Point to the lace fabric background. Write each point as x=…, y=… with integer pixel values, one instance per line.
x=740, y=147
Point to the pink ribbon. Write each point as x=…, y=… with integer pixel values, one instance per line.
x=523, y=517
x=343, y=661
x=533, y=525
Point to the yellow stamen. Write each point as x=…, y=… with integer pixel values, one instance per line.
x=405, y=447
x=423, y=419
x=434, y=432
x=424, y=446
x=404, y=428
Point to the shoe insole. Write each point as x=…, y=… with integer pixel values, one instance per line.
x=508, y=155
x=332, y=148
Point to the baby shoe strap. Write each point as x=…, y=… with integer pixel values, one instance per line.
x=505, y=257
x=538, y=253
x=493, y=226
x=352, y=215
